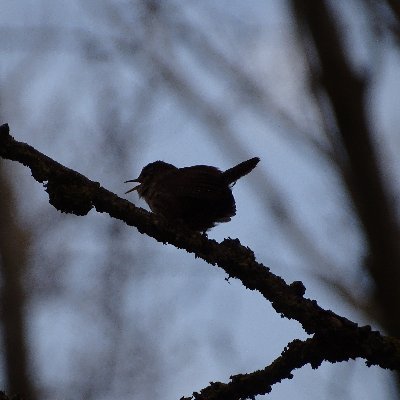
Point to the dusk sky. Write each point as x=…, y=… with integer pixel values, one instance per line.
x=105, y=87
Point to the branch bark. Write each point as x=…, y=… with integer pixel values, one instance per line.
x=336, y=337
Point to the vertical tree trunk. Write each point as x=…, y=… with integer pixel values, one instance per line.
x=13, y=257
x=361, y=172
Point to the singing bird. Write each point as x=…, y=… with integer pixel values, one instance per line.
x=199, y=196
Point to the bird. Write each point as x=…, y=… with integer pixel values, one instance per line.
x=199, y=196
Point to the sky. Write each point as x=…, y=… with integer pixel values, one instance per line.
x=92, y=85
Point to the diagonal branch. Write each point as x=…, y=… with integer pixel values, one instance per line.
x=72, y=192
x=296, y=354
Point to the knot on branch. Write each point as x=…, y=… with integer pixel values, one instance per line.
x=69, y=197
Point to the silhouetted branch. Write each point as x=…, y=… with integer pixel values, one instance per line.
x=297, y=354
x=336, y=338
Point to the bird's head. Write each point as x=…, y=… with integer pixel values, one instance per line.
x=149, y=174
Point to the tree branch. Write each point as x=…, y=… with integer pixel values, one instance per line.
x=336, y=337
x=296, y=354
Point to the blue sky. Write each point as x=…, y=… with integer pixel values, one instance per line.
x=93, y=92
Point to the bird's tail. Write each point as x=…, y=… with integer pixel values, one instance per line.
x=231, y=175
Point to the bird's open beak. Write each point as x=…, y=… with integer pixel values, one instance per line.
x=134, y=188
